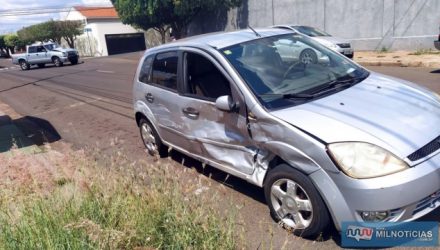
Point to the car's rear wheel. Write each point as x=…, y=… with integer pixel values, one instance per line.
x=308, y=56
x=151, y=139
x=41, y=65
x=57, y=62
x=294, y=202
x=24, y=65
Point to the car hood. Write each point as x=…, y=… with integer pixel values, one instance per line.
x=391, y=113
x=332, y=39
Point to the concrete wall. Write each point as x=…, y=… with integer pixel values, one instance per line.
x=370, y=24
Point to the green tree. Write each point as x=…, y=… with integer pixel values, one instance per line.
x=2, y=43
x=52, y=31
x=162, y=15
x=12, y=41
x=69, y=30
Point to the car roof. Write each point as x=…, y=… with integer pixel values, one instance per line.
x=220, y=40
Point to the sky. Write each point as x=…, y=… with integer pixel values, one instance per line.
x=10, y=23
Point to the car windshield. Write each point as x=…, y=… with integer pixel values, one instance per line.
x=310, y=31
x=291, y=69
x=51, y=46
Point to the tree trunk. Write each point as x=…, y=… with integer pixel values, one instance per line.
x=163, y=32
x=179, y=30
x=70, y=41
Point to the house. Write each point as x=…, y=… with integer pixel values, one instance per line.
x=104, y=33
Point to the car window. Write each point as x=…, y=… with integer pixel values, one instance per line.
x=41, y=49
x=310, y=31
x=278, y=68
x=145, y=73
x=32, y=49
x=204, y=79
x=165, y=70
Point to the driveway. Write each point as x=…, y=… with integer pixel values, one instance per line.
x=90, y=105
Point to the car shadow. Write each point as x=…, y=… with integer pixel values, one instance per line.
x=25, y=132
x=48, y=66
x=228, y=180
x=437, y=71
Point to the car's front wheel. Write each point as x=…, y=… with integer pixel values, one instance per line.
x=24, y=65
x=308, y=56
x=294, y=202
x=57, y=61
x=151, y=139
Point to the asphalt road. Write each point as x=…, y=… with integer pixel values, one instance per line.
x=90, y=106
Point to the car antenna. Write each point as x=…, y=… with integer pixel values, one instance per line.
x=256, y=33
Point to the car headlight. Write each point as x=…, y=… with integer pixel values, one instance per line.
x=330, y=45
x=64, y=54
x=363, y=160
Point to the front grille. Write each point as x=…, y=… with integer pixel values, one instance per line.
x=426, y=150
x=428, y=202
x=71, y=53
x=344, y=45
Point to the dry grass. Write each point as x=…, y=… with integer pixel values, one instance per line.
x=66, y=200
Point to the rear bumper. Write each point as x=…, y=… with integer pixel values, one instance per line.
x=437, y=44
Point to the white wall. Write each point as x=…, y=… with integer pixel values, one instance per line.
x=100, y=28
x=92, y=43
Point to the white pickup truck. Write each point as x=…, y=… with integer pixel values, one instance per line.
x=42, y=54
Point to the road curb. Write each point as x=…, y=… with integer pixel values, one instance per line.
x=400, y=64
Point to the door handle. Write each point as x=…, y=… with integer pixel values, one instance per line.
x=191, y=112
x=149, y=97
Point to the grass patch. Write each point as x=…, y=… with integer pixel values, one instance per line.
x=115, y=208
x=420, y=52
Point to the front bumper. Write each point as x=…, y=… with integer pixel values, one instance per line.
x=69, y=58
x=406, y=196
x=348, y=52
x=437, y=44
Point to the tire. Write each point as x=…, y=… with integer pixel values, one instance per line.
x=308, y=56
x=41, y=65
x=151, y=139
x=24, y=65
x=299, y=208
x=57, y=62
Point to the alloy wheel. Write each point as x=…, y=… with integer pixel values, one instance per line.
x=291, y=204
x=149, y=139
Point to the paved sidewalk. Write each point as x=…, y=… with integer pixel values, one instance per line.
x=428, y=59
x=11, y=136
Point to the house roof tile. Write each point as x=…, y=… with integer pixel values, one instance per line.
x=97, y=12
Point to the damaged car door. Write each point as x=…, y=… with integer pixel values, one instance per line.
x=220, y=136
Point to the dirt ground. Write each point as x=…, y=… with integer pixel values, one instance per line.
x=425, y=58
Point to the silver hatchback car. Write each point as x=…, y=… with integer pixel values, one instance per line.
x=328, y=140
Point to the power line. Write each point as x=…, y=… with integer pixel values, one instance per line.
x=45, y=10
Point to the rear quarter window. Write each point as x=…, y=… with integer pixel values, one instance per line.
x=145, y=72
x=165, y=70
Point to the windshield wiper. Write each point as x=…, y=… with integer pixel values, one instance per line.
x=335, y=84
x=292, y=96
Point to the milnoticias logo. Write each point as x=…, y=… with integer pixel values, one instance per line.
x=359, y=233
x=386, y=234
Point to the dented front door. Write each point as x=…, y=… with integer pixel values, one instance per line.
x=219, y=136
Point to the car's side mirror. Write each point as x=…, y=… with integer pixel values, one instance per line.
x=225, y=103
